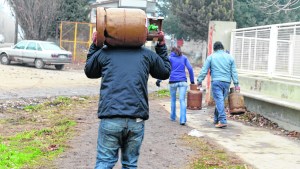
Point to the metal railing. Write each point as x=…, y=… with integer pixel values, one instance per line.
x=77, y=38
x=273, y=50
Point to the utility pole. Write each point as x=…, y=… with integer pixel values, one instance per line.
x=232, y=10
x=16, y=29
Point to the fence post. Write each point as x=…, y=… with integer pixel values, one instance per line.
x=231, y=42
x=254, y=53
x=75, y=42
x=291, y=53
x=61, y=34
x=90, y=34
x=272, y=50
x=242, y=53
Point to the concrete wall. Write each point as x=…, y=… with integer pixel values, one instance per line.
x=222, y=32
x=282, y=89
x=277, y=99
x=285, y=117
x=196, y=50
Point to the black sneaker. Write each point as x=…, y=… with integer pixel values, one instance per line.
x=158, y=83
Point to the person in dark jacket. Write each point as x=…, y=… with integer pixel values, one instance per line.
x=123, y=103
x=178, y=80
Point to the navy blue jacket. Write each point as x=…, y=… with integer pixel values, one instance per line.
x=125, y=73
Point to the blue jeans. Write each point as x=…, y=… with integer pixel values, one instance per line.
x=182, y=86
x=119, y=133
x=220, y=92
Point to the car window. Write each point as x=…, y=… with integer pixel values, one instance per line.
x=31, y=46
x=20, y=45
x=39, y=47
x=50, y=46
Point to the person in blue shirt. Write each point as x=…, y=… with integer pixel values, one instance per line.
x=178, y=80
x=222, y=68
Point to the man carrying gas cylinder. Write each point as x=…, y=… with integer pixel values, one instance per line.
x=123, y=103
x=222, y=68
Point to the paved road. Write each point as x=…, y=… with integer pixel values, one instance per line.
x=18, y=81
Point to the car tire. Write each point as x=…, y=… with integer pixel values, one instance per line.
x=59, y=67
x=4, y=59
x=38, y=63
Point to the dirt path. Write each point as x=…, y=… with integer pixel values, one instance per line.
x=163, y=139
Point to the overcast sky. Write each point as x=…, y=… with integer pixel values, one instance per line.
x=3, y=6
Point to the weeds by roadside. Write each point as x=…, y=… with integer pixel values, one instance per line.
x=212, y=156
x=36, y=132
x=160, y=94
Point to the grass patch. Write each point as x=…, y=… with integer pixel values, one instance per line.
x=212, y=156
x=33, y=107
x=59, y=101
x=36, y=142
x=163, y=93
x=28, y=147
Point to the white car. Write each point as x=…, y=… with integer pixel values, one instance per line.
x=40, y=53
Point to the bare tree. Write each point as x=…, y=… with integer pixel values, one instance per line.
x=276, y=6
x=35, y=16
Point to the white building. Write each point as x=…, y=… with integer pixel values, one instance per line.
x=149, y=6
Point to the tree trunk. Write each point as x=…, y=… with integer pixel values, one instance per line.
x=16, y=30
x=35, y=17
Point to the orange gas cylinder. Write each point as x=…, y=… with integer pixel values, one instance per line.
x=194, y=98
x=236, y=102
x=121, y=27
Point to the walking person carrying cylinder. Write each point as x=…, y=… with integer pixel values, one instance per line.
x=124, y=65
x=223, y=69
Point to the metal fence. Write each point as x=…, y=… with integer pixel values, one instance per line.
x=273, y=50
x=76, y=37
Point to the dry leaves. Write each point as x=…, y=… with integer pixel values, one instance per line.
x=255, y=119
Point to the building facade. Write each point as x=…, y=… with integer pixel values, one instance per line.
x=149, y=6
